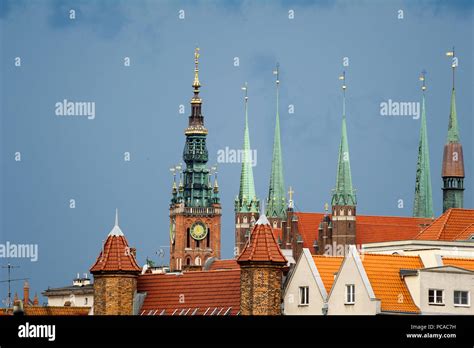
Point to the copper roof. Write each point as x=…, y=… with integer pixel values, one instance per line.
x=191, y=293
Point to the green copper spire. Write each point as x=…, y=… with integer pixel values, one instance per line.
x=276, y=203
x=343, y=193
x=423, y=206
x=247, y=200
x=453, y=131
x=452, y=170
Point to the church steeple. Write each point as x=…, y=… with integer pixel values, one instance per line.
x=195, y=210
x=276, y=203
x=344, y=194
x=423, y=205
x=453, y=162
x=247, y=200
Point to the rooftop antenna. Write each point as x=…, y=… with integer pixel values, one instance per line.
x=9, y=267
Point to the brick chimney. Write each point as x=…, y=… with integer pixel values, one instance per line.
x=26, y=294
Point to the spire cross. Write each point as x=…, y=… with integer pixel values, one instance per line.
x=290, y=193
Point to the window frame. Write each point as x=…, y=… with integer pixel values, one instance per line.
x=435, y=297
x=349, y=296
x=468, y=304
x=304, y=296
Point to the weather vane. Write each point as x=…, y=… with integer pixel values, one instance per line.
x=245, y=88
x=422, y=79
x=454, y=61
x=277, y=73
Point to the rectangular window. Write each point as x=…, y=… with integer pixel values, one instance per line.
x=435, y=296
x=350, y=294
x=461, y=298
x=304, y=295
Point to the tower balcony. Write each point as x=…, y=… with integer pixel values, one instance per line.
x=196, y=211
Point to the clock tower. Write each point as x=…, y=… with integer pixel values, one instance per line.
x=195, y=210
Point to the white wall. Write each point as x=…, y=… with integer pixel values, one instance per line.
x=349, y=274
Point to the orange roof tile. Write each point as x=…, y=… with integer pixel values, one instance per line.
x=201, y=293
x=370, y=229
x=277, y=233
x=383, y=272
x=465, y=263
x=224, y=264
x=454, y=224
x=116, y=256
x=327, y=267
x=262, y=245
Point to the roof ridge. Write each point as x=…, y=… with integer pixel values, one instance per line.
x=445, y=222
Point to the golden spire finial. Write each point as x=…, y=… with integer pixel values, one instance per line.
x=454, y=62
x=277, y=73
x=290, y=193
x=422, y=79
x=326, y=207
x=196, y=83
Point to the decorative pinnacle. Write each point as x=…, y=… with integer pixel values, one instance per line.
x=116, y=216
x=423, y=78
x=196, y=83
x=454, y=61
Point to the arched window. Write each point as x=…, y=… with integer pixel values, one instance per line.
x=245, y=219
x=198, y=243
x=188, y=261
x=188, y=238
x=208, y=238
x=197, y=261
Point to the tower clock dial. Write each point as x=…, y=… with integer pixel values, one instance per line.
x=198, y=231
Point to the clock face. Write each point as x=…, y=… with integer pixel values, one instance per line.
x=198, y=231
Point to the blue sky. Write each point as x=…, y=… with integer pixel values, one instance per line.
x=137, y=110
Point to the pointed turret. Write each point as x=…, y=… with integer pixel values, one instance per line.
x=261, y=264
x=246, y=203
x=276, y=203
x=344, y=194
x=344, y=198
x=453, y=161
x=115, y=275
x=247, y=200
x=423, y=205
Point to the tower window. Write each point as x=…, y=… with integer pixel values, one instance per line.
x=188, y=238
x=208, y=238
x=188, y=261
x=198, y=243
x=245, y=219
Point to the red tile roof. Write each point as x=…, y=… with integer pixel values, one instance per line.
x=198, y=293
x=370, y=229
x=454, y=224
x=467, y=263
x=262, y=245
x=277, y=233
x=383, y=272
x=48, y=310
x=224, y=264
x=327, y=267
x=116, y=256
